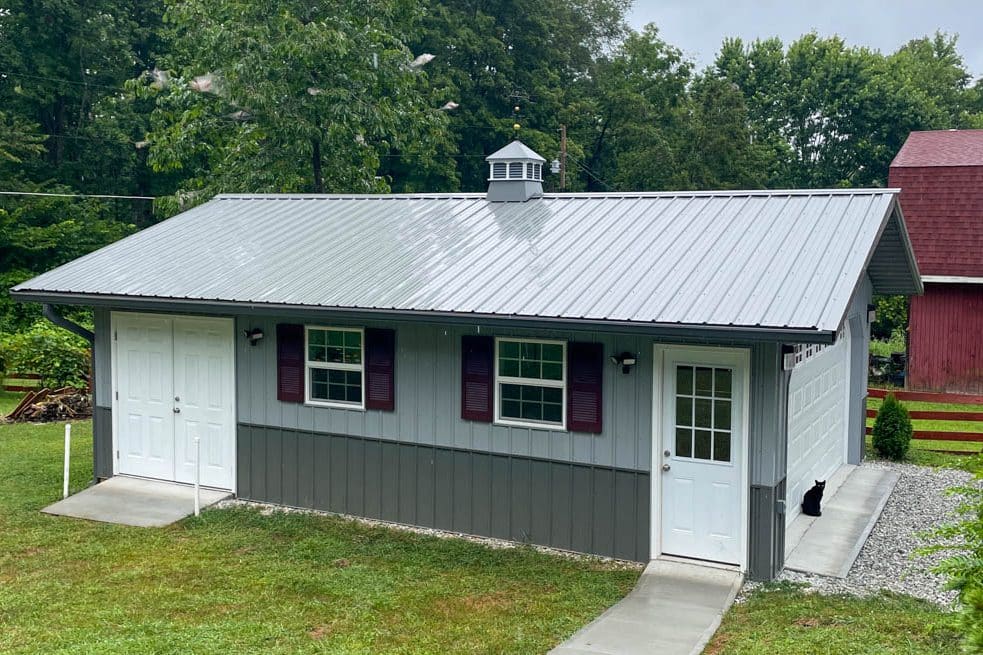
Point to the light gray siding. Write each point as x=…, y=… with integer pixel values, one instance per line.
x=428, y=405
x=102, y=359
x=859, y=356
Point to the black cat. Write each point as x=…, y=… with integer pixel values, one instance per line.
x=813, y=497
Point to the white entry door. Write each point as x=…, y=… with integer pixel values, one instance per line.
x=702, y=453
x=203, y=396
x=144, y=379
x=175, y=380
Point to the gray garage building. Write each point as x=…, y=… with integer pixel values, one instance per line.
x=627, y=374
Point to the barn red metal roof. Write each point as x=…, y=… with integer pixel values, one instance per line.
x=941, y=148
x=940, y=175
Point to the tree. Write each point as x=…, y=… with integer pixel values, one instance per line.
x=837, y=115
x=286, y=96
x=493, y=56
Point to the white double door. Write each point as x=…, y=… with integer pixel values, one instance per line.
x=174, y=382
x=700, y=456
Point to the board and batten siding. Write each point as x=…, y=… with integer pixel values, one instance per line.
x=428, y=398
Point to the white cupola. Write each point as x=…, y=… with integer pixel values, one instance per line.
x=515, y=173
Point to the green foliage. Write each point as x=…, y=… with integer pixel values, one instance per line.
x=963, y=569
x=892, y=316
x=887, y=347
x=58, y=356
x=287, y=96
x=892, y=429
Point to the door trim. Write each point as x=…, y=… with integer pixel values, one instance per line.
x=659, y=351
x=114, y=368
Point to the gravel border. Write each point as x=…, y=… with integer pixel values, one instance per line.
x=267, y=509
x=887, y=560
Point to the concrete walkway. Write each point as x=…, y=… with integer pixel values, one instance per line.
x=134, y=501
x=829, y=544
x=673, y=610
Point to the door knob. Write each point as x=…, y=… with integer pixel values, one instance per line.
x=666, y=452
x=666, y=467
x=177, y=410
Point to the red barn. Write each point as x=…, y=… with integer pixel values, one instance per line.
x=941, y=179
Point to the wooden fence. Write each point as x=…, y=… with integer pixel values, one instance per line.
x=21, y=382
x=934, y=415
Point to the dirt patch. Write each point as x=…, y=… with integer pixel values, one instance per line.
x=814, y=622
x=320, y=632
x=341, y=563
x=716, y=645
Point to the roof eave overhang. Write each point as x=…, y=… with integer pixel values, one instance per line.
x=730, y=333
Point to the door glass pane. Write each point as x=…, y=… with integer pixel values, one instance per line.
x=702, y=414
x=684, y=379
x=721, y=446
x=684, y=410
x=702, y=445
x=684, y=442
x=721, y=414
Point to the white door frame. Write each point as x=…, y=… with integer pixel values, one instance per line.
x=114, y=394
x=658, y=379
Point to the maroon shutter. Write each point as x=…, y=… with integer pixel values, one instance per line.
x=477, y=361
x=380, y=367
x=585, y=368
x=290, y=362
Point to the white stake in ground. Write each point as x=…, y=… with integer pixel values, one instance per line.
x=68, y=451
x=197, y=476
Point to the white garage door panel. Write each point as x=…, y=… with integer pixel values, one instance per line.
x=817, y=428
x=175, y=379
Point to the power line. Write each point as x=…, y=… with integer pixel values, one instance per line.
x=590, y=172
x=59, y=80
x=75, y=195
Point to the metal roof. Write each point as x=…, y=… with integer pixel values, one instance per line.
x=515, y=150
x=768, y=260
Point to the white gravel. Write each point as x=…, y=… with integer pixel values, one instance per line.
x=888, y=560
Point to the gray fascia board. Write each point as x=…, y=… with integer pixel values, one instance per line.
x=227, y=307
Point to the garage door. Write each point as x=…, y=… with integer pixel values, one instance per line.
x=174, y=382
x=817, y=424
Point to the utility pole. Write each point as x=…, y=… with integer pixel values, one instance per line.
x=563, y=158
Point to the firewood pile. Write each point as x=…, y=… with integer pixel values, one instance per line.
x=52, y=405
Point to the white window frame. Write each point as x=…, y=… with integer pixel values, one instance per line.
x=336, y=366
x=530, y=382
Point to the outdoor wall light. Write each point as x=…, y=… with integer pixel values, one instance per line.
x=626, y=360
x=254, y=335
x=871, y=313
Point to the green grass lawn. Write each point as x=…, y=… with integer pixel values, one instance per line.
x=234, y=581
x=783, y=619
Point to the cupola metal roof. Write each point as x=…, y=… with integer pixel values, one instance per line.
x=515, y=151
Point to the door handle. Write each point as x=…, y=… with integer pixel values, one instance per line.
x=666, y=467
x=177, y=410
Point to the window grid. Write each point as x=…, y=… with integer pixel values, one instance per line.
x=334, y=361
x=704, y=413
x=530, y=382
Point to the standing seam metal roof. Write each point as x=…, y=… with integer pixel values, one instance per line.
x=759, y=259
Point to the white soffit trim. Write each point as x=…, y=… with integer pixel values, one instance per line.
x=952, y=279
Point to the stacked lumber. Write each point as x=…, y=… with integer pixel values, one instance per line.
x=52, y=405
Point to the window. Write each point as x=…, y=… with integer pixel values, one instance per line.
x=704, y=413
x=498, y=170
x=334, y=366
x=539, y=172
x=529, y=173
x=515, y=170
x=530, y=382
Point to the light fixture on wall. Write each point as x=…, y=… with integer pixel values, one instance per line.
x=625, y=360
x=254, y=335
x=871, y=313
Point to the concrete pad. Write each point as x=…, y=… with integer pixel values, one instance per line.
x=135, y=501
x=673, y=610
x=829, y=544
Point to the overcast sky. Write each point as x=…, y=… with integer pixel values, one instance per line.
x=697, y=27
